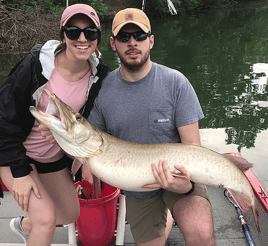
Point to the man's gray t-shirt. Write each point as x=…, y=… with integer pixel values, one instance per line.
x=146, y=111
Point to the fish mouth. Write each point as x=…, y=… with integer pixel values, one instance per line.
x=53, y=115
x=52, y=110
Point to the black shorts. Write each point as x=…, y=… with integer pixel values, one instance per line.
x=51, y=167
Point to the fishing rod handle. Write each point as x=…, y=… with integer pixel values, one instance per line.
x=245, y=227
x=248, y=235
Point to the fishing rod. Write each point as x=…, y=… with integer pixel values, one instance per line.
x=242, y=219
x=143, y=5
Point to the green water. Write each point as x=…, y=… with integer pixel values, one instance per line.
x=224, y=54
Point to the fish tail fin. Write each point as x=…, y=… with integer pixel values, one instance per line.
x=256, y=212
x=244, y=201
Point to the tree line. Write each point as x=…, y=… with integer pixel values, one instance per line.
x=24, y=23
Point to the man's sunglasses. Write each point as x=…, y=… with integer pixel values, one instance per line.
x=138, y=36
x=73, y=32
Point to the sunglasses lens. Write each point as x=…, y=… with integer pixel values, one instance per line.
x=140, y=36
x=91, y=33
x=125, y=36
x=74, y=33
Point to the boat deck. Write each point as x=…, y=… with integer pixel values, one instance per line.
x=228, y=231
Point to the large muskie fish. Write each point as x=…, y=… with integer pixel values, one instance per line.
x=127, y=165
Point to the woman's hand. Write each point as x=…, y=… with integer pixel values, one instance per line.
x=178, y=182
x=21, y=191
x=46, y=133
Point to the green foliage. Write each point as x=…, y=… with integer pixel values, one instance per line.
x=159, y=8
x=98, y=5
x=135, y=3
x=153, y=8
x=156, y=8
x=56, y=7
x=46, y=5
x=192, y=4
x=57, y=11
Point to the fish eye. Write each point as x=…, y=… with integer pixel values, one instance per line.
x=79, y=117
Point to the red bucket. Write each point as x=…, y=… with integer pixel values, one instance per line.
x=4, y=188
x=97, y=222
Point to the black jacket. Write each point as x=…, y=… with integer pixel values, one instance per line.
x=23, y=88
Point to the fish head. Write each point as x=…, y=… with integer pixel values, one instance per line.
x=71, y=130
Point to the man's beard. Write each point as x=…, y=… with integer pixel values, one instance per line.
x=134, y=65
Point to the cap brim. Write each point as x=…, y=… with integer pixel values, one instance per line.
x=142, y=26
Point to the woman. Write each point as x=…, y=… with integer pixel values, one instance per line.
x=34, y=170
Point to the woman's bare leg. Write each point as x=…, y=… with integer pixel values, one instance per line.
x=41, y=212
x=60, y=188
x=61, y=206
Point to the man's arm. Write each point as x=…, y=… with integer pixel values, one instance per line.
x=189, y=134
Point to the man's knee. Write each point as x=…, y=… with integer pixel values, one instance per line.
x=202, y=235
x=193, y=208
x=194, y=218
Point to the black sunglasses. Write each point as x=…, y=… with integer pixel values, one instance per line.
x=73, y=32
x=138, y=36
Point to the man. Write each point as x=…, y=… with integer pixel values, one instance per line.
x=148, y=103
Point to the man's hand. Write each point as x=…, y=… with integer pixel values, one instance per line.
x=178, y=182
x=46, y=133
x=240, y=162
x=21, y=191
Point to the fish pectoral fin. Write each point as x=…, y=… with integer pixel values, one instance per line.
x=75, y=166
x=86, y=172
x=242, y=200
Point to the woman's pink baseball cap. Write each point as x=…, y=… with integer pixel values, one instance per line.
x=75, y=9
